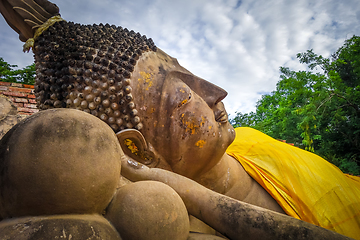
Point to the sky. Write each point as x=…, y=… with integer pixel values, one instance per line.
x=238, y=45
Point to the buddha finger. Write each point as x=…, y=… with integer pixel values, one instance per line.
x=133, y=170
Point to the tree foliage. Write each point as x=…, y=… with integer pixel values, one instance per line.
x=9, y=74
x=319, y=112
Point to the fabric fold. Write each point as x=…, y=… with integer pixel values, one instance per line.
x=305, y=185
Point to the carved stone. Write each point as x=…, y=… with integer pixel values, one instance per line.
x=60, y=161
x=149, y=210
x=58, y=227
x=70, y=161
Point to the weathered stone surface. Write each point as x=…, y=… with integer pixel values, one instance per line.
x=201, y=236
x=60, y=161
x=79, y=227
x=8, y=115
x=149, y=210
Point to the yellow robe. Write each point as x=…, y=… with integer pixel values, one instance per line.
x=305, y=185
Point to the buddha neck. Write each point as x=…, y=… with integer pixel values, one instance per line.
x=225, y=175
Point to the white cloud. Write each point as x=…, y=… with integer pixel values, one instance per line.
x=238, y=45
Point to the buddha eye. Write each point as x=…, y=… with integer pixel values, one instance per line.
x=185, y=100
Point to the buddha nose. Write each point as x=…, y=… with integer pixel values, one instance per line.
x=209, y=92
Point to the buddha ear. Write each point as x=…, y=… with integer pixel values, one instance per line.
x=135, y=146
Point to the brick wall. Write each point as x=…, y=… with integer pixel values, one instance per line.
x=21, y=95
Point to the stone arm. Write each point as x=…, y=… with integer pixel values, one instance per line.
x=233, y=218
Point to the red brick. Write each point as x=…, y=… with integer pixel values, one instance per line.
x=31, y=96
x=24, y=90
x=15, y=94
x=19, y=104
x=20, y=100
x=29, y=105
x=32, y=101
x=28, y=110
x=16, y=85
x=4, y=88
x=5, y=84
x=28, y=86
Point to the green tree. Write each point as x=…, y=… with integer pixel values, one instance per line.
x=318, y=112
x=244, y=120
x=9, y=74
x=340, y=122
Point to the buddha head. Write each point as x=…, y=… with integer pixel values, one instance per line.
x=165, y=115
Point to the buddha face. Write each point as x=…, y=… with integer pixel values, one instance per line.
x=182, y=115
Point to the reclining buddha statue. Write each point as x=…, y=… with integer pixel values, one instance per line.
x=171, y=127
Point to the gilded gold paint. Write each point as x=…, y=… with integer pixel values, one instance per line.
x=202, y=121
x=147, y=78
x=191, y=124
x=182, y=103
x=131, y=146
x=200, y=143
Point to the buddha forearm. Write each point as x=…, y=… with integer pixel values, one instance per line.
x=232, y=218
x=239, y=220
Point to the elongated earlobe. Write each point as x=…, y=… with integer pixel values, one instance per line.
x=135, y=146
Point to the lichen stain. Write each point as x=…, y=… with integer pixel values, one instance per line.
x=147, y=78
x=190, y=123
x=200, y=143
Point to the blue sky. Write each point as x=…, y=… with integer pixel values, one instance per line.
x=238, y=45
